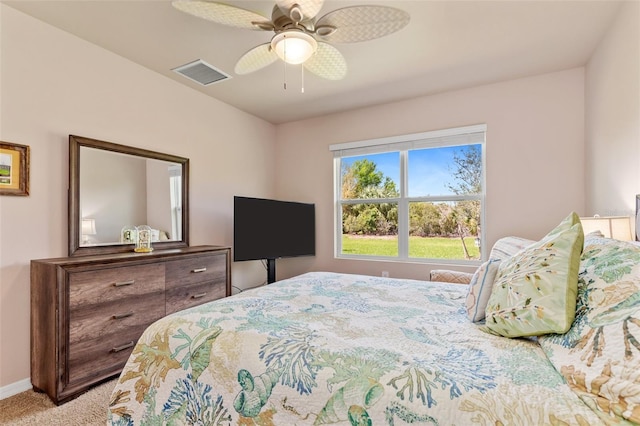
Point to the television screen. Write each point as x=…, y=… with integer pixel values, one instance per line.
x=271, y=229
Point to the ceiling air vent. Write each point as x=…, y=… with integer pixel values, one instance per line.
x=201, y=72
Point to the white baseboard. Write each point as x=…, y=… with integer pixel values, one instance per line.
x=15, y=388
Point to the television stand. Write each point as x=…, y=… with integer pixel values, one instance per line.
x=271, y=271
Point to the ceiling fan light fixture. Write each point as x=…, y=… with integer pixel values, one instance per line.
x=294, y=46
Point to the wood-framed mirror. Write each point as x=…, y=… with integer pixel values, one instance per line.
x=113, y=188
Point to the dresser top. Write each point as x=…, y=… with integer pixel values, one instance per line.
x=132, y=256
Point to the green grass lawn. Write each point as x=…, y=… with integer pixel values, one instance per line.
x=419, y=247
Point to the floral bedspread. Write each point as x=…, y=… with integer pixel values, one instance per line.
x=327, y=348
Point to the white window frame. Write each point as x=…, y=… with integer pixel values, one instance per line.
x=468, y=135
x=175, y=195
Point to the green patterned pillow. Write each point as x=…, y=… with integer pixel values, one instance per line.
x=535, y=290
x=600, y=355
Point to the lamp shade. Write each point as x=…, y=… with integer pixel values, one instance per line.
x=293, y=46
x=88, y=227
x=616, y=227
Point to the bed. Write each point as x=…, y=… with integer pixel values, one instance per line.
x=341, y=349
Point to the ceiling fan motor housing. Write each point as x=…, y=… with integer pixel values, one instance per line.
x=282, y=22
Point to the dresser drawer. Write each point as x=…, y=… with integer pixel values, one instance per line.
x=184, y=297
x=101, y=337
x=102, y=356
x=193, y=270
x=90, y=322
x=115, y=283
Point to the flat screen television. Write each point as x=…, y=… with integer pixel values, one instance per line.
x=266, y=229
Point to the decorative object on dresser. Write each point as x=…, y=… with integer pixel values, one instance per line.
x=88, y=312
x=143, y=239
x=128, y=235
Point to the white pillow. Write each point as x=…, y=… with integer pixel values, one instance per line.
x=480, y=289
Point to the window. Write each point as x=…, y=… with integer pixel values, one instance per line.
x=416, y=197
x=175, y=194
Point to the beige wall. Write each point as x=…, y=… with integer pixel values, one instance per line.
x=535, y=156
x=613, y=118
x=54, y=84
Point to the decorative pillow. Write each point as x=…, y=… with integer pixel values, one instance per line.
x=600, y=355
x=506, y=247
x=480, y=289
x=482, y=281
x=535, y=290
x=592, y=234
x=449, y=276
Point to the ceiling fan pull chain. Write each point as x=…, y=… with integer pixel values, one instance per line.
x=285, y=76
x=302, y=78
x=285, y=65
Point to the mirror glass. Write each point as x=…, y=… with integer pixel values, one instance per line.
x=114, y=188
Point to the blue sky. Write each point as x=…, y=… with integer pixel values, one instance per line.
x=430, y=170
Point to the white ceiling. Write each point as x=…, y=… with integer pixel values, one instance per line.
x=447, y=45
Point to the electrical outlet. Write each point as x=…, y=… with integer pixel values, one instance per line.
x=385, y=274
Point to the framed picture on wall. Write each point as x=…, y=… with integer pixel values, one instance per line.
x=14, y=169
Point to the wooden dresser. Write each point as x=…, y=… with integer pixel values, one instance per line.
x=88, y=312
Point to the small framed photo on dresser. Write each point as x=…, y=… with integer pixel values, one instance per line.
x=14, y=169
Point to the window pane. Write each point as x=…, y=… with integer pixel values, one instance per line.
x=370, y=176
x=444, y=230
x=451, y=170
x=370, y=229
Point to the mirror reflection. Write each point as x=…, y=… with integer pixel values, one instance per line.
x=119, y=192
x=114, y=188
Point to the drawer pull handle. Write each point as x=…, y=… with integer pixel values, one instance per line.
x=123, y=347
x=199, y=295
x=121, y=316
x=124, y=283
x=195, y=271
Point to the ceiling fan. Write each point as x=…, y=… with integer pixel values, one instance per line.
x=299, y=37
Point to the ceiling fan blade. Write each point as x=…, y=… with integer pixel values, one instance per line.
x=308, y=8
x=224, y=14
x=327, y=63
x=255, y=59
x=360, y=23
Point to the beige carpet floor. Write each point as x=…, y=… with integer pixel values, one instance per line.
x=34, y=408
